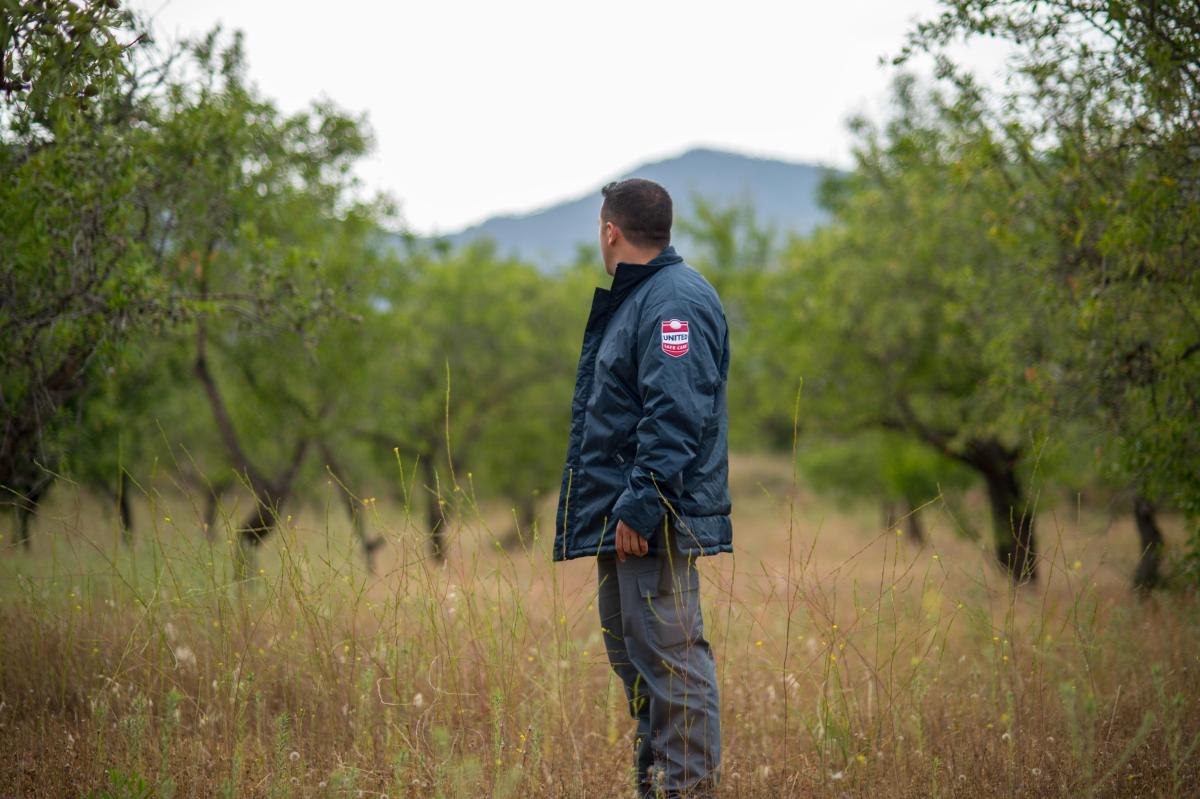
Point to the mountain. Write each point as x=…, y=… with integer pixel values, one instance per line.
x=783, y=193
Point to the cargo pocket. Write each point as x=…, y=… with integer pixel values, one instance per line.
x=672, y=606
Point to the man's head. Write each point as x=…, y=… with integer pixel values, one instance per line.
x=635, y=222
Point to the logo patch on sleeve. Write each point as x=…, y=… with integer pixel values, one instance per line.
x=674, y=337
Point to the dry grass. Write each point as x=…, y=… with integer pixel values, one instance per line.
x=851, y=663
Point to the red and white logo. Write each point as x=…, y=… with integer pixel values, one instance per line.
x=674, y=337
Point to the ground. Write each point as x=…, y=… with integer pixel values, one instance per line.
x=851, y=661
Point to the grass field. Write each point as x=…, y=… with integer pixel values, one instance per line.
x=851, y=662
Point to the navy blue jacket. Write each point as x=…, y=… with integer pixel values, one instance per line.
x=649, y=424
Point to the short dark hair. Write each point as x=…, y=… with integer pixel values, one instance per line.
x=641, y=208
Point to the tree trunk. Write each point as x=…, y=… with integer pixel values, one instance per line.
x=1012, y=521
x=890, y=515
x=124, y=508
x=913, y=529
x=354, y=510
x=1147, y=575
x=435, y=513
x=519, y=535
x=269, y=493
x=26, y=508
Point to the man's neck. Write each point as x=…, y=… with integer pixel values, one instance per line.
x=638, y=256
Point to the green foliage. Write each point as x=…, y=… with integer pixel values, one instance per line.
x=1096, y=142
x=123, y=786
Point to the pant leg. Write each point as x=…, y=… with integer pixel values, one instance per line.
x=608, y=600
x=663, y=634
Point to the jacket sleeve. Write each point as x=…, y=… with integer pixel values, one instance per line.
x=678, y=393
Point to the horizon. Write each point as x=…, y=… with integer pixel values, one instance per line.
x=525, y=127
x=586, y=191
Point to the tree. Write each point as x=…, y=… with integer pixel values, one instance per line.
x=1102, y=124
x=905, y=312
x=74, y=279
x=484, y=383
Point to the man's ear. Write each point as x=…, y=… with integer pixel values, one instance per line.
x=612, y=233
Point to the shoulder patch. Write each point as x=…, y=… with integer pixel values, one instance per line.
x=674, y=337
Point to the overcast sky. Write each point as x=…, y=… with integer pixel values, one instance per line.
x=486, y=107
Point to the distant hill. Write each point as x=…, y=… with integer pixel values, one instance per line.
x=783, y=193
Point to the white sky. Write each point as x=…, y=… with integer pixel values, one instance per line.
x=485, y=107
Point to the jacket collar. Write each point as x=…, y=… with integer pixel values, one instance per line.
x=628, y=275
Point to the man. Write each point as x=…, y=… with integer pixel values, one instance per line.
x=645, y=484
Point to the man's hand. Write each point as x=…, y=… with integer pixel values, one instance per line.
x=629, y=541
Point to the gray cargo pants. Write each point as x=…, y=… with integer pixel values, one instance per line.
x=654, y=633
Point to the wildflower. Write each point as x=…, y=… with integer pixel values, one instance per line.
x=862, y=758
x=294, y=756
x=418, y=700
x=835, y=776
x=758, y=643
x=1077, y=565
x=184, y=655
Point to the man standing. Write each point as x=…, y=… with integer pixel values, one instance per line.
x=645, y=485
